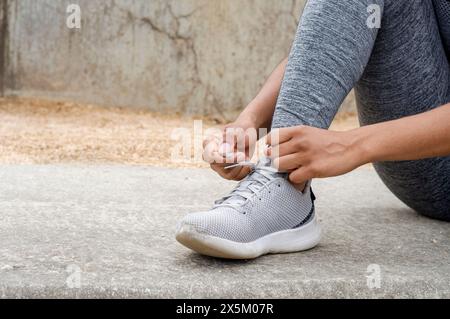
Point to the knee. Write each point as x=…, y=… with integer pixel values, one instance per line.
x=436, y=213
x=434, y=207
x=431, y=208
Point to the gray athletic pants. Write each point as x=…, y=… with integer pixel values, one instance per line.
x=397, y=70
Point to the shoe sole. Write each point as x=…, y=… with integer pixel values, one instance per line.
x=287, y=241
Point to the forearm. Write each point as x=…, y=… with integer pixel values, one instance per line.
x=260, y=110
x=412, y=138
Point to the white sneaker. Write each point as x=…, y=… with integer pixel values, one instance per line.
x=265, y=214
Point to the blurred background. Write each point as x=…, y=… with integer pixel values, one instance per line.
x=133, y=67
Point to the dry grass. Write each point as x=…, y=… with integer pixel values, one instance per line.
x=42, y=132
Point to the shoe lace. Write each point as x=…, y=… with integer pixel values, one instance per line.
x=254, y=183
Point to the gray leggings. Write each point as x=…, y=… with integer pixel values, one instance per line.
x=398, y=70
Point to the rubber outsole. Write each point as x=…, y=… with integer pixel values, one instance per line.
x=287, y=241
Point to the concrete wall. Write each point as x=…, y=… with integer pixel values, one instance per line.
x=187, y=56
x=3, y=41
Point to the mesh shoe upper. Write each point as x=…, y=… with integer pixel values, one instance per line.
x=263, y=203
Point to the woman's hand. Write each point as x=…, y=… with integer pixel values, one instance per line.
x=237, y=144
x=258, y=114
x=308, y=152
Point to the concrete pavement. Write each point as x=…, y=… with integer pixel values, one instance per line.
x=107, y=231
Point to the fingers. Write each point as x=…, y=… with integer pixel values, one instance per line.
x=211, y=152
x=231, y=146
x=236, y=174
x=210, y=139
x=211, y=144
x=236, y=158
x=212, y=156
x=301, y=175
x=226, y=149
x=287, y=163
x=239, y=139
x=229, y=136
x=247, y=140
x=215, y=151
x=279, y=136
x=281, y=150
x=243, y=172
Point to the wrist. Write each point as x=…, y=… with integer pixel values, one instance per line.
x=248, y=119
x=359, y=146
x=258, y=113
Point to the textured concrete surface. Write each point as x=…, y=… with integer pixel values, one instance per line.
x=190, y=56
x=68, y=231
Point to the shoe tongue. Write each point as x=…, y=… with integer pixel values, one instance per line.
x=254, y=182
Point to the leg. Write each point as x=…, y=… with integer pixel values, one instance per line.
x=331, y=54
x=400, y=70
x=331, y=49
x=408, y=78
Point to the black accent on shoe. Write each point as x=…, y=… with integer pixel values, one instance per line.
x=307, y=218
x=313, y=197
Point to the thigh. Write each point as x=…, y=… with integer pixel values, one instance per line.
x=422, y=185
x=408, y=73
